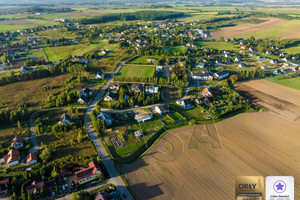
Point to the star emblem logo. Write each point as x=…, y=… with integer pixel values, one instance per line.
x=279, y=186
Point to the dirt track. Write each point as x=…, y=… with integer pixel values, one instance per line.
x=182, y=166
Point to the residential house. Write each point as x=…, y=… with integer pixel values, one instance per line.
x=48, y=64
x=110, y=97
x=242, y=65
x=151, y=59
x=35, y=188
x=138, y=134
x=286, y=59
x=103, y=196
x=288, y=70
x=218, y=62
x=82, y=99
x=260, y=58
x=50, y=186
x=206, y=92
x=205, y=75
x=85, y=92
x=186, y=103
x=172, y=61
x=143, y=116
x=86, y=175
x=114, y=86
x=17, y=142
x=202, y=100
x=211, y=56
x=100, y=75
x=252, y=49
x=106, y=117
x=12, y=158
x=158, y=68
x=4, y=186
x=295, y=58
x=277, y=72
x=65, y=119
x=80, y=59
x=283, y=54
x=199, y=65
x=244, y=47
x=150, y=89
x=221, y=74
x=237, y=59
x=135, y=87
x=295, y=64
x=227, y=55
x=274, y=61
x=162, y=109
x=31, y=158
x=264, y=67
x=24, y=70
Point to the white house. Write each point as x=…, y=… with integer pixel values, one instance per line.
x=199, y=65
x=274, y=61
x=158, y=68
x=65, y=119
x=138, y=134
x=151, y=89
x=24, y=70
x=205, y=75
x=162, y=109
x=186, y=103
x=237, y=59
x=221, y=74
x=106, y=117
x=99, y=75
x=242, y=65
x=143, y=116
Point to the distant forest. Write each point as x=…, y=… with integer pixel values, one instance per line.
x=140, y=15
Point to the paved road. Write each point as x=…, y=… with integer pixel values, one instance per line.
x=112, y=171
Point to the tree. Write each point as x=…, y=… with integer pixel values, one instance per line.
x=19, y=125
x=46, y=155
x=54, y=173
x=81, y=195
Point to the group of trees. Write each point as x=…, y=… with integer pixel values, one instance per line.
x=247, y=74
x=8, y=116
x=99, y=125
x=139, y=15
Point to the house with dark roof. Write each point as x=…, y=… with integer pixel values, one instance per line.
x=103, y=196
x=242, y=65
x=100, y=75
x=12, y=157
x=82, y=99
x=110, y=97
x=65, y=119
x=274, y=61
x=221, y=74
x=162, y=109
x=106, y=117
x=205, y=75
x=86, y=92
x=4, y=186
x=17, y=142
x=48, y=64
x=136, y=87
x=114, y=86
x=24, y=70
x=186, y=103
x=50, y=185
x=86, y=175
x=151, y=89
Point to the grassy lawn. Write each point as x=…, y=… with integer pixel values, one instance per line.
x=138, y=71
x=141, y=59
x=291, y=82
x=292, y=50
x=63, y=52
x=30, y=92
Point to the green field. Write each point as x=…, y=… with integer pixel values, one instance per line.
x=292, y=50
x=63, y=52
x=291, y=82
x=216, y=45
x=137, y=71
x=9, y=17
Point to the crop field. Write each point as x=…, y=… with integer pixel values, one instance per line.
x=200, y=160
x=273, y=28
x=291, y=82
x=29, y=91
x=138, y=71
x=13, y=25
x=277, y=98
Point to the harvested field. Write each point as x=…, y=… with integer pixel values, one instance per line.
x=282, y=100
x=290, y=34
x=272, y=28
x=182, y=166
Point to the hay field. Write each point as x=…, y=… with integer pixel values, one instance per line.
x=181, y=166
x=273, y=28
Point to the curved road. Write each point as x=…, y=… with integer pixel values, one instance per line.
x=112, y=171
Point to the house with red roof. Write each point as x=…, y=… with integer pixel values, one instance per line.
x=86, y=175
x=12, y=158
x=206, y=92
x=31, y=158
x=4, y=186
x=35, y=187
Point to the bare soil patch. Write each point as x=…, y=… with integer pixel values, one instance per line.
x=246, y=28
x=282, y=100
x=254, y=144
